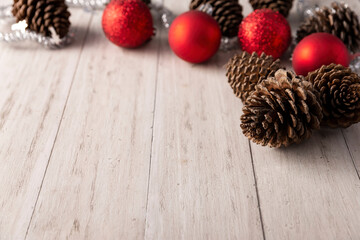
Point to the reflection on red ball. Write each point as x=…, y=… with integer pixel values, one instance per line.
x=319, y=49
x=127, y=23
x=265, y=31
x=194, y=36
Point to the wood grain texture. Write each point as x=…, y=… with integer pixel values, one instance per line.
x=34, y=87
x=138, y=144
x=352, y=137
x=97, y=179
x=310, y=191
x=199, y=188
x=201, y=182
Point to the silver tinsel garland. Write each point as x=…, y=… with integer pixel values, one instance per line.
x=48, y=42
x=88, y=4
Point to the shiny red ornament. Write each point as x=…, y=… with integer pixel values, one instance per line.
x=319, y=49
x=127, y=23
x=194, y=36
x=265, y=31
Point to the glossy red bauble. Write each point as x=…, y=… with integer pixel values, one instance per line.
x=265, y=31
x=127, y=23
x=194, y=36
x=319, y=49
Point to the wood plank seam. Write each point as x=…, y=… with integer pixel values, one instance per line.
x=152, y=126
x=62, y=115
x=350, y=153
x=257, y=192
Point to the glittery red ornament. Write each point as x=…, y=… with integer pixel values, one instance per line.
x=319, y=49
x=194, y=36
x=265, y=31
x=127, y=23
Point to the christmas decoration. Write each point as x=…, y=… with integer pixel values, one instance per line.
x=245, y=71
x=93, y=4
x=319, y=49
x=338, y=20
x=42, y=15
x=228, y=13
x=194, y=36
x=339, y=88
x=281, y=6
x=127, y=23
x=265, y=31
x=19, y=34
x=282, y=110
x=88, y=5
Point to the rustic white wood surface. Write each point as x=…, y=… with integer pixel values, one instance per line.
x=97, y=180
x=34, y=87
x=99, y=142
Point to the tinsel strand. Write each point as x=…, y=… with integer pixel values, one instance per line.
x=165, y=15
x=88, y=4
x=18, y=36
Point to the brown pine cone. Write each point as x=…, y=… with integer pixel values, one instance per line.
x=339, y=89
x=41, y=15
x=245, y=71
x=281, y=6
x=338, y=20
x=228, y=13
x=282, y=110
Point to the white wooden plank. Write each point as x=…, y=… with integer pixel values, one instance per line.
x=352, y=137
x=97, y=179
x=34, y=86
x=201, y=184
x=310, y=191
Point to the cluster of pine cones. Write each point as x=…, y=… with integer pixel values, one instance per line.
x=281, y=108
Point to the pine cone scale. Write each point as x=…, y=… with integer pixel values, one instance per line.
x=228, y=14
x=283, y=109
x=340, y=90
x=281, y=6
x=41, y=15
x=244, y=71
x=338, y=20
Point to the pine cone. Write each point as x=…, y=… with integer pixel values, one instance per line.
x=339, y=89
x=245, y=71
x=282, y=110
x=41, y=15
x=281, y=6
x=338, y=20
x=228, y=13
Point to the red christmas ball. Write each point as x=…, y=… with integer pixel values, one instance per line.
x=265, y=31
x=127, y=23
x=319, y=49
x=194, y=36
